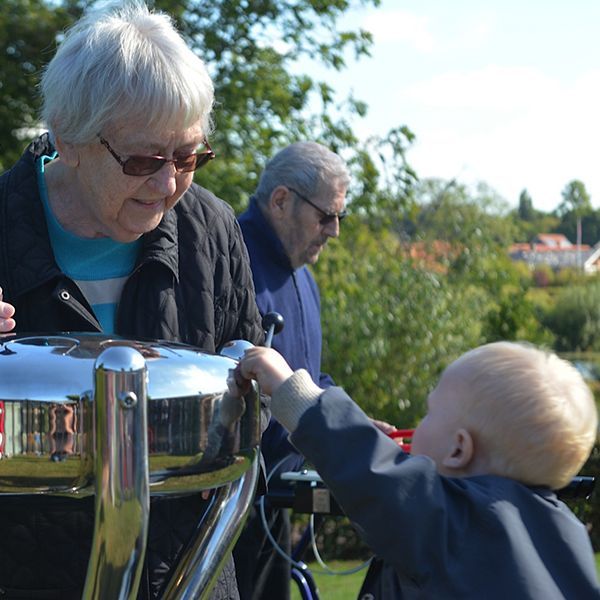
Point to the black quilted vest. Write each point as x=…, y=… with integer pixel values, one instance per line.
x=193, y=284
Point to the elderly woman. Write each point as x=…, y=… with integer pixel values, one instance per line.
x=102, y=229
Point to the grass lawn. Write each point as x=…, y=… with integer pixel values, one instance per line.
x=335, y=587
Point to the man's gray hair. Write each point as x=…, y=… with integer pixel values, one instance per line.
x=308, y=167
x=124, y=64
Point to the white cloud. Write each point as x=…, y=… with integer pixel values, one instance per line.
x=400, y=26
x=488, y=97
x=492, y=87
x=427, y=34
x=512, y=127
x=477, y=33
x=539, y=152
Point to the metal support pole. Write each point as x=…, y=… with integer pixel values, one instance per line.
x=121, y=472
x=201, y=562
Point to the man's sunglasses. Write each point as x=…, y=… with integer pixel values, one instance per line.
x=138, y=166
x=327, y=217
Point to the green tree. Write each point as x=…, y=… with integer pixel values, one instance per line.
x=28, y=30
x=385, y=184
x=529, y=221
x=263, y=102
x=525, y=231
x=575, y=206
x=514, y=317
x=452, y=211
x=525, y=210
x=575, y=198
x=390, y=326
x=575, y=318
x=475, y=224
x=250, y=49
x=588, y=222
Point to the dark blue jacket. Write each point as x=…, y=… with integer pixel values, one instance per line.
x=295, y=295
x=446, y=538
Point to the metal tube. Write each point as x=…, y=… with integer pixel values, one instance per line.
x=202, y=560
x=121, y=475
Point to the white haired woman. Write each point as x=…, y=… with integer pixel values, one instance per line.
x=102, y=229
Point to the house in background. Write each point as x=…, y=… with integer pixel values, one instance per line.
x=556, y=251
x=434, y=255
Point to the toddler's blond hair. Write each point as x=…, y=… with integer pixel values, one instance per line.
x=529, y=411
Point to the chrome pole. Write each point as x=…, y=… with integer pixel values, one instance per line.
x=202, y=560
x=121, y=476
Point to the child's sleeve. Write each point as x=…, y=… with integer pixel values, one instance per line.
x=399, y=504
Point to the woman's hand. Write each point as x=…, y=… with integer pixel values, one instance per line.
x=7, y=323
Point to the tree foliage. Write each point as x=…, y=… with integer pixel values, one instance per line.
x=390, y=327
x=28, y=30
x=515, y=317
x=525, y=209
x=393, y=319
x=575, y=318
x=589, y=222
x=575, y=199
x=263, y=100
x=577, y=215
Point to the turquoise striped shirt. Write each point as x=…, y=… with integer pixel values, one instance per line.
x=99, y=266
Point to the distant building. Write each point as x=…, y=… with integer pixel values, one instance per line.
x=434, y=255
x=556, y=251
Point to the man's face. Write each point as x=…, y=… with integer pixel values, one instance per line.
x=305, y=229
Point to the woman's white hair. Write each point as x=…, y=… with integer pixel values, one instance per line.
x=124, y=64
x=530, y=411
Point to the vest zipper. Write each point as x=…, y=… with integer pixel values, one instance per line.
x=67, y=298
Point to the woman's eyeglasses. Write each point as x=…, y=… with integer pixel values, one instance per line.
x=327, y=218
x=138, y=166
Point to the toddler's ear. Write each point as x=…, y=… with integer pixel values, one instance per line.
x=461, y=451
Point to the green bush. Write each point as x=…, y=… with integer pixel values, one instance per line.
x=571, y=277
x=515, y=317
x=588, y=510
x=390, y=328
x=575, y=318
x=336, y=538
x=543, y=276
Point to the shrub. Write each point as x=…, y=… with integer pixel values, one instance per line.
x=389, y=327
x=575, y=318
x=543, y=276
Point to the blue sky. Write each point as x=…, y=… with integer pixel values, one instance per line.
x=506, y=92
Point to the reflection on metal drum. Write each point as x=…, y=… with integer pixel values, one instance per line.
x=47, y=413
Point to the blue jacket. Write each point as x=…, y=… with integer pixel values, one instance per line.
x=476, y=537
x=295, y=295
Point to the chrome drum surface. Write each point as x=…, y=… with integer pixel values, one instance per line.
x=47, y=415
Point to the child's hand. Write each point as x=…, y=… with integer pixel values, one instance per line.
x=265, y=365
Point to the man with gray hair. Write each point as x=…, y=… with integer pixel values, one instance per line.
x=298, y=205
